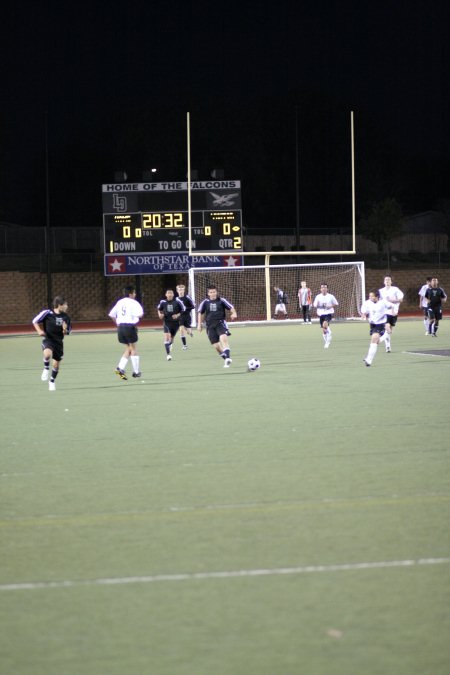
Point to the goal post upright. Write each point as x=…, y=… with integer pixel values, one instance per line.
x=267, y=285
x=189, y=196
x=268, y=254
x=250, y=286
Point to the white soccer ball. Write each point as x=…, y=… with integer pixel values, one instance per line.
x=254, y=364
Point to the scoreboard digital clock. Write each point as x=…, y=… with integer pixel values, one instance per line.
x=154, y=218
x=159, y=232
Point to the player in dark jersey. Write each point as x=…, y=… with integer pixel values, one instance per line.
x=435, y=296
x=185, y=318
x=52, y=325
x=214, y=308
x=170, y=310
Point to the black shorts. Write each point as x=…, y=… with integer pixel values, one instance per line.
x=434, y=313
x=127, y=333
x=185, y=320
x=377, y=328
x=215, y=331
x=391, y=320
x=325, y=317
x=56, y=347
x=171, y=327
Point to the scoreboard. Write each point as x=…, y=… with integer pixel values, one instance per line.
x=154, y=217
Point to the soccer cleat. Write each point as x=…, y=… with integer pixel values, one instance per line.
x=184, y=347
x=51, y=386
x=388, y=350
x=227, y=363
x=427, y=333
x=367, y=364
x=136, y=374
x=169, y=358
x=326, y=345
x=45, y=374
x=121, y=374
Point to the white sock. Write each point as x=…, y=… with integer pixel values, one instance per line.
x=123, y=363
x=135, y=362
x=383, y=337
x=372, y=351
x=388, y=341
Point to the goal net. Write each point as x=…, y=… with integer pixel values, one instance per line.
x=251, y=289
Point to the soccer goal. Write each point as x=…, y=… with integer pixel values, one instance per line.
x=251, y=288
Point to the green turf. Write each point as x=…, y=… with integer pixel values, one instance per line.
x=313, y=461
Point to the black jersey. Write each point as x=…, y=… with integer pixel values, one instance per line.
x=171, y=307
x=52, y=324
x=435, y=296
x=187, y=302
x=214, y=310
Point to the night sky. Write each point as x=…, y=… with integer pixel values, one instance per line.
x=112, y=86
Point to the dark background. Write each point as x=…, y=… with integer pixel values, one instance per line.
x=111, y=85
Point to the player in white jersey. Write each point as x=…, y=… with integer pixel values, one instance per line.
x=423, y=304
x=375, y=310
x=393, y=295
x=126, y=313
x=324, y=304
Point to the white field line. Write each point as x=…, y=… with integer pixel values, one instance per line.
x=201, y=576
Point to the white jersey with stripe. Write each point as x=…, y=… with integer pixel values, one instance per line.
x=376, y=312
x=391, y=294
x=126, y=310
x=325, y=304
x=423, y=299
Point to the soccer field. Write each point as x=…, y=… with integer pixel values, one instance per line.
x=211, y=521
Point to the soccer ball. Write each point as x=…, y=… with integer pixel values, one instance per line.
x=254, y=364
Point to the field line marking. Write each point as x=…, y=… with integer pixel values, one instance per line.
x=80, y=520
x=198, y=576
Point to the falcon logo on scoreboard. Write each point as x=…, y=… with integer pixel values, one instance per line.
x=223, y=201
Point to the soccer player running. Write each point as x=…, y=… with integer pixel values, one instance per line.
x=375, y=309
x=52, y=325
x=126, y=313
x=170, y=310
x=423, y=304
x=324, y=304
x=435, y=296
x=185, y=318
x=214, y=308
x=394, y=296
